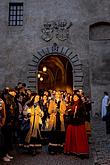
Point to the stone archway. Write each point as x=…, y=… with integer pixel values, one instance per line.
x=53, y=50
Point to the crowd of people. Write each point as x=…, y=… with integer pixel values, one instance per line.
x=29, y=119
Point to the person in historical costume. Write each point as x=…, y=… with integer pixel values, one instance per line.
x=87, y=105
x=21, y=131
x=108, y=119
x=44, y=106
x=4, y=149
x=11, y=115
x=57, y=108
x=69, y=103
x=33, y=138
x=105, y=101
x=76, y=141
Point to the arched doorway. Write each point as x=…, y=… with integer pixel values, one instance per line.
x=59, y=56
x=58, y=74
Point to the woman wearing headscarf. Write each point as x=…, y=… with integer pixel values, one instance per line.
x=33, y=138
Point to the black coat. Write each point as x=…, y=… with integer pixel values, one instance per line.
x=79, y=118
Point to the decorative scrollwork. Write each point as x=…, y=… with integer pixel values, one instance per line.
x=59, y=29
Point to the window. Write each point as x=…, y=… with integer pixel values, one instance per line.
x=15, y=14
x=99, y=31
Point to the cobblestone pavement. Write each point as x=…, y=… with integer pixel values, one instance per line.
x=99, y=152
x=46, y=159
x=100, y=143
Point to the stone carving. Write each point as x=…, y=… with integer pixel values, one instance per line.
x=63, y=30
x=59, y=29
x=55, y=47
x=47, y=31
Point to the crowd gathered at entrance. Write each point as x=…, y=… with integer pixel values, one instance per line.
x=57, y=119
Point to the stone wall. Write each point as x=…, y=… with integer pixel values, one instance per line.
x=18, y=44
x=100, y=70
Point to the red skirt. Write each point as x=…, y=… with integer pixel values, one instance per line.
x=76, y=140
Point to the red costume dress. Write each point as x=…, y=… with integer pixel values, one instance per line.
x=76, y=141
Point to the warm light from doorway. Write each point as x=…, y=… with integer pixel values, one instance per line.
x=44, y=69
x=38, y=75
x=41, y=78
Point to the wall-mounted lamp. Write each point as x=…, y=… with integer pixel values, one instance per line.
x=38, y=75
x=41, y=78
x=44, y=69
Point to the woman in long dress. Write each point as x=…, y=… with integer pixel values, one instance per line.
x=105, y=101
x=57, y=108
x=76, y=141
x=33, y=138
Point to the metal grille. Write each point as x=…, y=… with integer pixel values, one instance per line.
x=15, y=14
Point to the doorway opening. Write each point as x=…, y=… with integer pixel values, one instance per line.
x=55, y=73
x=64, y=69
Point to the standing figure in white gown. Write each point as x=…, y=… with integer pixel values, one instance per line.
x=104, y=104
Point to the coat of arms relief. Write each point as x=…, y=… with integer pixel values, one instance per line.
x=58, y=29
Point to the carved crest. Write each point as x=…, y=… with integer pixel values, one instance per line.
x=59, y=29
x=47, y=32
x=63, y=30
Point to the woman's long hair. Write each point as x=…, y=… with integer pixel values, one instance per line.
x=78, y=102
